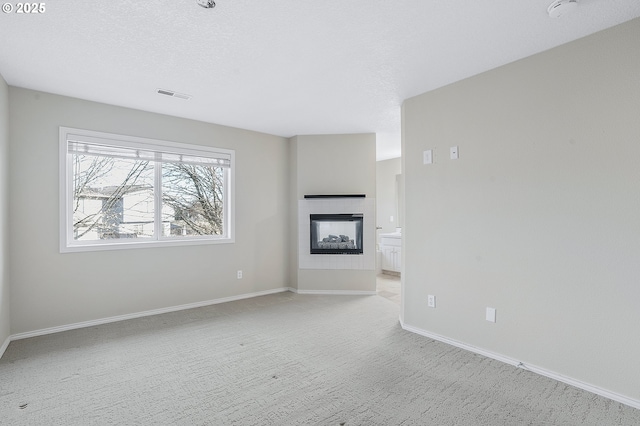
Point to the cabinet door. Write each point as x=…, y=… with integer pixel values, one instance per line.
x=397, y=260
x=388, y=258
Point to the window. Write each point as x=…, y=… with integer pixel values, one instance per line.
x=124, y=192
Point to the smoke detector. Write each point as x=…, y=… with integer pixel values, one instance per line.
x=207, y=4
x=561, y=7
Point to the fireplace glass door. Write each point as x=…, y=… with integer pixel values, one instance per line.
x=336, y=233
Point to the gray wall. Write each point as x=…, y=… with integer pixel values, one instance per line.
x=336, y=164
x=386, y=194
x=51, y=289
x=5, y=319
x=539, y=217
x=332, y=164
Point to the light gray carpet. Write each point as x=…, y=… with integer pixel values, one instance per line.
x=283, y=359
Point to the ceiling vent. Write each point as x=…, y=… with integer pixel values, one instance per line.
x=173, y=94
x=561, y=7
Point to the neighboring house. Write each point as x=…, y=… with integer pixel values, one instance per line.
x=125, y=212
x=114, y=212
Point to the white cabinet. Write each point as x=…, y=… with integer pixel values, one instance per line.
x=390, y=246
x=391, y=258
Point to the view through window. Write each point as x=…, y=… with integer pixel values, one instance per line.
x=125, y=191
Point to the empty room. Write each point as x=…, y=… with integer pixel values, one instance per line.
x=336, y=213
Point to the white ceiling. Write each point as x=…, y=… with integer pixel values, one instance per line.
x=285, y=67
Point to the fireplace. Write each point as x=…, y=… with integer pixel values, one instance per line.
x=336, y=233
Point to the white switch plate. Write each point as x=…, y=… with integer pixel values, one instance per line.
x=390, y=218
x=427, y=156
x=454, y=152
x=431, y=301
x=239, y=274
x=491, y=314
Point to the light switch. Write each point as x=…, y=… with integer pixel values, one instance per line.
x=491, y=314
x=427, y=156
x=454, y=152
x=431, y=301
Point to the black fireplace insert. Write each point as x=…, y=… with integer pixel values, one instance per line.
x=336, y=233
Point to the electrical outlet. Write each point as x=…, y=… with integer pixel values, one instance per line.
x=453, y=151
x=427, y=156
x=431, y=301
x=239, y=274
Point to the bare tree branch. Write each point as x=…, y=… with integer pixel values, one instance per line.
x=195, y=194
x=85, y=187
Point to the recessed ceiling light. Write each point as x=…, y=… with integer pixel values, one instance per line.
x=173, y=94
x=561, y=7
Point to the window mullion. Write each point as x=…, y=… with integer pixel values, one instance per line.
x=157, y=192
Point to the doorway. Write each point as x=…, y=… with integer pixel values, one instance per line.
x=389, y=218
x=388, y=286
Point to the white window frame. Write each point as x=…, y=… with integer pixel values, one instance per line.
x=68, y=244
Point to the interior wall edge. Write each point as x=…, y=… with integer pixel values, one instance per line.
x=5, y=345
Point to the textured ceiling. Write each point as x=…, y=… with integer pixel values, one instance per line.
x=286, y=67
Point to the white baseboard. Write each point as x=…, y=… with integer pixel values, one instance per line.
x=5, y=345
x=535, y=369
x=108, y=320
x=335, y=292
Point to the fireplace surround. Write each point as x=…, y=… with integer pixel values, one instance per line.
x=337, y=205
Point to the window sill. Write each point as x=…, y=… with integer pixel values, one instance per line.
x=101, y=246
